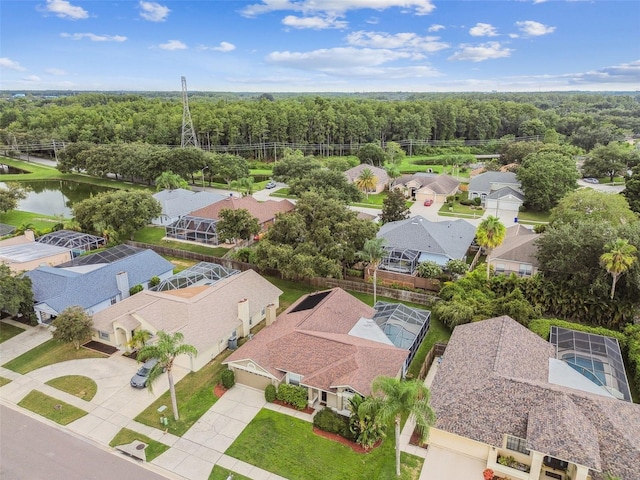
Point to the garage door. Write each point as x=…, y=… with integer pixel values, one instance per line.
x=251, y=379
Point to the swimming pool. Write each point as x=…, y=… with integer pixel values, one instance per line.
x=589, y=367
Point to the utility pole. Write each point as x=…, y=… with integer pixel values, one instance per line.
x=188, y=133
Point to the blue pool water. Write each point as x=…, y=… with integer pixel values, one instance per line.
x=590, y=368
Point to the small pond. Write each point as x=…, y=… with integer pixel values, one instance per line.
x=55, y=197
x=9, y=170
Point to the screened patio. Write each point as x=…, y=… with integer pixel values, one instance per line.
x=202, y=273
x=400, y=260
x=194, y=229
x=77, y=242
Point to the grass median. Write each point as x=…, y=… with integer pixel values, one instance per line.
x=8, y=331
x=126, y=436
x=48, y=353
x=51, y=408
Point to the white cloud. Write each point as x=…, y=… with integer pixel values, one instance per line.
x=623, y=73
x=436, y=27
x=336, y=7
x=94, y=38
x=535, y=2
x=407, y=41
x=55, y=71
x=173, y=45
x=534, y=29
x=316, y=23
x=154, y=12
x=31, y=78
x=64, y=9
x=481, y=52
x=223, y=47
x=373, y=20
x=11, y=65
x=483, y=30
x=335, y=59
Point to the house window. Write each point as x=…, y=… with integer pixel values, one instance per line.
x=525, y=270
x=499, y=267
x=517, y=444
x=114, y=300
x=104, y=335
x=294, y=378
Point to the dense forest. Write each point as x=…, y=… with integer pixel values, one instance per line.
x=259, y=125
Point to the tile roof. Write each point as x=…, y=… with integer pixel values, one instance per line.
x=316, y=344
x=450, y=238
x=60, y=288
x=493, y=380
x=178, y=202
x=204, y=314
x=519, y=245
x=263, y=211
x=484, y=181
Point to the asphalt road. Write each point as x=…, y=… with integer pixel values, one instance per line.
x=33, y=450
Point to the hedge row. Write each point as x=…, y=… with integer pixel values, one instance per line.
x=543, y=326
x=330, y=421
x=293, y=395
x=633, y=351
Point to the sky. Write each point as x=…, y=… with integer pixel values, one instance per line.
x=320, y=45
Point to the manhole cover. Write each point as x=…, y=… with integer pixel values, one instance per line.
x=140, y=446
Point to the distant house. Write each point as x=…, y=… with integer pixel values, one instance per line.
x=264, y=212
x=179, y=202
x=382, y=178
x=427, y=186
x=416, y=240
x=330, y=343
x=22, y=253
x=95, y=281
x=517, y=253
x=500, y=391
x=483, y=185
x=208, y=316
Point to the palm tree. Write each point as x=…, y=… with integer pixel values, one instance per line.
x=366, y=181
x=617, y=259
x=372, y=252
x=170, y=181
x=166, y=349
x=392, y=399
x=139, y=339
x=490, y=234
x=244, y=185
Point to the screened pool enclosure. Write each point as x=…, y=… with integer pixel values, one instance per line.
x=194, y=229
x=202, y=273
x=400, y=260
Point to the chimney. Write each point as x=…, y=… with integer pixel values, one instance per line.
x=270, y=314
x=244, y=316
x=122, y=281
x=29, y=235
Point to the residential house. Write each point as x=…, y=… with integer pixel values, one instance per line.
x=500, y=392
x=517, y=253
x=179, y=202
x=23, y=253
x=328, y=342
x=427, y=186
x=209, y=316
x=95, y=281
x=416, y=240
x=483, y=185
x=382, y=178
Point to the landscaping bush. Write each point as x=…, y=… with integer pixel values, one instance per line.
x=477, y=201
x=270, y=393
x=293, y=395
x=543, y=326
x=154, y=281
x=467, y=202
x=135, y=289
x=332, y=422
x=228, y=378
x=353, y=272
x=633, y=351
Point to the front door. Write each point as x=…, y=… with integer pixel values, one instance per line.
x=323, y=398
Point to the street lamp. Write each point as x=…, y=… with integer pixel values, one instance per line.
x=206, y=167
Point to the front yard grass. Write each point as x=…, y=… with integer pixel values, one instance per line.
x=8, y=331
x=126, y=436
x=77, y=385
x=48, y=353
x=219, y=473
x=4, y=381
x=288, y=447
x=51, y=408
x=195, y=396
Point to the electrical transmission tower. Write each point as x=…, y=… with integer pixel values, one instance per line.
x=188, y=133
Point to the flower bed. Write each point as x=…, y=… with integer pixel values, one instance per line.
x=307, y=409
x=356, y=447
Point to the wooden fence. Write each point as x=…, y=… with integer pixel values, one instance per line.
x=436, y=351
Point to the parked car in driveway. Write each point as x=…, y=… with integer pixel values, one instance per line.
x=591, y=180
x=428, y=202
x=141, y=378
x=270, y=184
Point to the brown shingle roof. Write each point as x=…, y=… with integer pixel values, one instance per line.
x=315, y=343
x=493, y=380
x=519, y=245
x=263, y=211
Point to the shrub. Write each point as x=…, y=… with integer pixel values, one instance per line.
x=457, y=267
x=542, y=327
x=293, y=395
x=270, y=393
x=352, y=272
x=135, y=289
x=429, y=269
x=228, y=378
x=154, y=281
x=477, y=201
x=332, y=422
x=633, y=351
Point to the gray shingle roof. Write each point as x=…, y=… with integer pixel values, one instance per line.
x=450, y=238
x=505, y=192
x=493, y=380
x=482, y=182
x=519, y=245
x=60, y=288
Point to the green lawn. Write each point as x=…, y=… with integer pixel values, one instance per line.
x=126, y=436
x=219, y=473
x=4, y=381
x=195, y=396
x=48, y=353
x=39, y=221
x=438, y=333
x=155, y=235
x=51, y=408
x=288, y=447
x=532, y=216
x=78, y=385
x=8, y=331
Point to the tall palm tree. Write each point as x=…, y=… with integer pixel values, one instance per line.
x=392, y=398
x=372, y=252
x=244, y=185
x=366, y=181
x=166, y=349
x=490, y=234
x=617, y=259
x=170, y=181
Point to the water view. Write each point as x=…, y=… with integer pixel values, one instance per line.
x=55, y=197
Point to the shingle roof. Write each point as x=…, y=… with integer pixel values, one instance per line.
x=27, y=252
x=519, y=245
x=263, y=211
x=204, y=314
x=60, y=288
x=178, y=202
x=505, y=192
x=316, y=344
x=380, y=173
x=502, y=388
x=440, y=184
x=450, y=238
x=482, y=182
